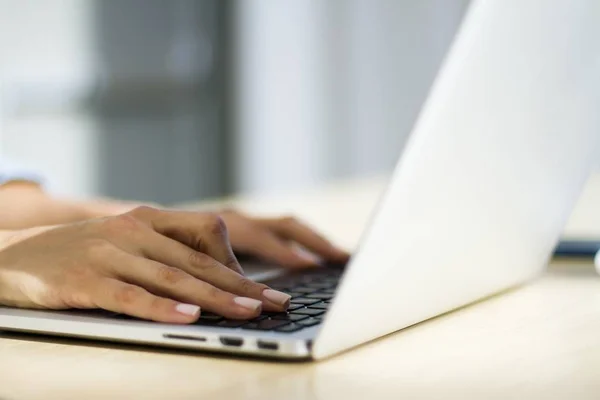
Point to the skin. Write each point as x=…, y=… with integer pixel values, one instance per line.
x=153, y=264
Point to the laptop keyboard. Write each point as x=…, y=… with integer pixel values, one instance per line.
x=311, y=291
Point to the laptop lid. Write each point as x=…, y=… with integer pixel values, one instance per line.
x=494, y=165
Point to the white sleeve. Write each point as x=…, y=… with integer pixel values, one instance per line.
x=10, y=171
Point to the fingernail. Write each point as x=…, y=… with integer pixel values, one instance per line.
x=187, y=309
x=283, y=299
x=247, y=302
x=308, y=256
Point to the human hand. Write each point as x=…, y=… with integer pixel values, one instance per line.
x=284, y=241
x=151, y=264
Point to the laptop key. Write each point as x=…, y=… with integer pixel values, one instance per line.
x=259, y=318
x=293, y=327
x=265, y=325
x=231, y=323
x=294, y=306
x=320, y=306
x=271, y=314
x=309, y=311
x=289, y=317
x=320, y=285
x=309, y=322
x=305, y=301
x=282, y=286
x=304, y=289
x=210, y=317
x=284, y=289
x=207, y=322
x=335, y=267
x=320, y=296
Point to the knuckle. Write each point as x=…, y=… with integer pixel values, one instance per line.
x=143, y=211
x=158, y=303
x=200, y=245
x=52, y=297
x=170, y=275
x=201, y=260
x=248, y=286
x=95, y=249
x=77, y=299
x=120, y=224
x=288, y=220
x=215, y=224
x=213, y=293
x=127, y=295
x=78, y=272
x=232, y=262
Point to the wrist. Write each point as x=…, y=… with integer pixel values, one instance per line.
x=11, y=237
x=104, y=208
x=6, y=238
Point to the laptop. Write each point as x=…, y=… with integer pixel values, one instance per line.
x=494, y=164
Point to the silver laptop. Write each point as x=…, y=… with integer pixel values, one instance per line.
x=477, y=202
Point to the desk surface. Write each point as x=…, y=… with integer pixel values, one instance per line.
x=540, y=341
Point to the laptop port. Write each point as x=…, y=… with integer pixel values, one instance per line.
x=185, y=337
x=267, y=345
x=231, y=341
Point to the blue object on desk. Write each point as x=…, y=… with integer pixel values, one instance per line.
x=577, y=248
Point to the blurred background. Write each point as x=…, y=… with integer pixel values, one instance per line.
x=176, y=100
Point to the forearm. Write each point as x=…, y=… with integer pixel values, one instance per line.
x=6, y=238
x=10, y=237
x=25, y=205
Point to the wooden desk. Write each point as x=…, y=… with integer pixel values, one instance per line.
x=541, y=341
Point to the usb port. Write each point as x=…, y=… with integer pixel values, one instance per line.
x=231, y=341
x=267, y=345
x=185, y=337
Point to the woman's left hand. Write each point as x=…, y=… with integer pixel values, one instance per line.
x=284, y=241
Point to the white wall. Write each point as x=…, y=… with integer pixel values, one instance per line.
x=331, y=88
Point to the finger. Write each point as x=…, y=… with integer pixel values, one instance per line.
x=266, y=245
x=124, y=298
x=204, y=232
x=292, y=229
x=201, y=266
x=174, y=283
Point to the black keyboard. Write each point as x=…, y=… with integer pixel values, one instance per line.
x=311, y=291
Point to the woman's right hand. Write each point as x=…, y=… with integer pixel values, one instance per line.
x=157, y=265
